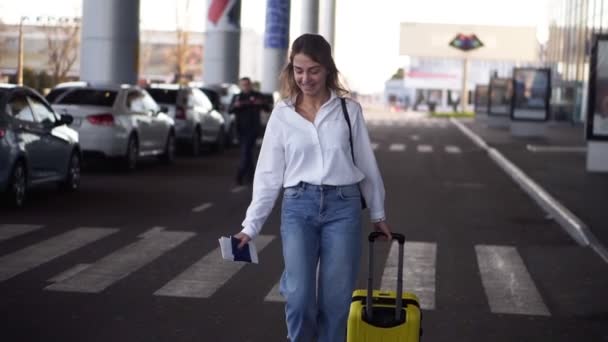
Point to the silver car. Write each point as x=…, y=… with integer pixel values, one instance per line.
x=196, y=121
x=36, y=145
x=118, y=121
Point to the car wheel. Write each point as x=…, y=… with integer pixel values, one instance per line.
x=168, y=155
x=72, y=179
x=220, y=141
x=196, y=143
x=15, y=196
x=130, y=159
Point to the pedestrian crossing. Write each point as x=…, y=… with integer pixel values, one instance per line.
x=508, y=286
x=419, y=148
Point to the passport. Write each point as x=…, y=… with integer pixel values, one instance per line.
x=231, y=251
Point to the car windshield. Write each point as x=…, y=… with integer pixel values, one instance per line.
x=165, y=96
x=93, y=97
x=54, y=94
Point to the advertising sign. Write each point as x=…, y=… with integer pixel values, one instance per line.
x=481, y=99
x=597, y=109
x=276, y=35
x=500, y=97
x=531, y=94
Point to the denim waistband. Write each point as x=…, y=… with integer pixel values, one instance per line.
x=313, y=187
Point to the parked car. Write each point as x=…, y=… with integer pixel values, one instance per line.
x=36, y=145
x=232, y=137
x=118, y=121
x=197, y=123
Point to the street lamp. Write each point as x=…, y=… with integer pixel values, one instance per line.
x=20, y=52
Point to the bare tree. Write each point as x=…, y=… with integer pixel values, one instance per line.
x=63, y=41
x=182, y=46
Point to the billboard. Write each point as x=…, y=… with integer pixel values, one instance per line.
x=531, y=94
x=481, y=99
x=500, y=97
x=597, y=108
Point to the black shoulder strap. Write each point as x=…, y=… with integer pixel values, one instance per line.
x=350, y=130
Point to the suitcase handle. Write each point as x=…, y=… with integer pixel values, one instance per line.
x=399, y=300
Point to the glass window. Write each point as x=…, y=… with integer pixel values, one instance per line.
x=20, y=109
x=149, y=104
x=135, y=101
x=42, y=112
x=55, y=93
x=164, y=96
x=92, y=97
x=202, y=98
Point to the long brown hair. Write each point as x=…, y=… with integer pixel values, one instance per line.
x=318, y=49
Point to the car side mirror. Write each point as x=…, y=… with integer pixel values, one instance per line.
x=66, y=119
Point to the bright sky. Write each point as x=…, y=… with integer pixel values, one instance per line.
x=367, y=32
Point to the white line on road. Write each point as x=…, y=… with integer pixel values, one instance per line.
x=45, y=251
x=207, y=275
x=202, y=207
x=415, y=137
x=538, y=148
x=425, y=148
x=275, y=295
x=69, y=273
x=452, y=149
x=418, y=269
x=238, y=189
x=118, y=265
x=507, y=283
x=375, y=146
x=397, y=148
x=9, y=231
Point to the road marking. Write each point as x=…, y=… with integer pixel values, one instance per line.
x=45, y=251
x=118, y=265
x=207, y=275
x=202, y=207
x=415, y=137
x=396, y=147
x=275, y=294
x=238, y=189
x=508, y=285
x=452, y=149
x=425, y=148
x=9, y=231
x=538, y=148
x=69, y=273
x=375, y=146
x=418, y=269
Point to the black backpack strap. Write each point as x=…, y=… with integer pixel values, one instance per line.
x=350, y=130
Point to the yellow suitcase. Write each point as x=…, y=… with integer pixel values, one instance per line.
x=393, y=316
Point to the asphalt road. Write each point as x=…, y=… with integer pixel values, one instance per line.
x=133, y=257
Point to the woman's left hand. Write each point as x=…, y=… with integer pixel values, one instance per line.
x=383, y=227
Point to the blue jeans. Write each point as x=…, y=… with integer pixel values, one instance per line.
x=320, y=225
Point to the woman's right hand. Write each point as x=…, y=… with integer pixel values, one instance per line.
x=244, y=239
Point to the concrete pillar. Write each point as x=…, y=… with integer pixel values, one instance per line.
x=109, y=52
x=222, y=42
x=327, y=24
x=310, y=16
x=276, y=43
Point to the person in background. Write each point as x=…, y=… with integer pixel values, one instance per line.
x=247, y=106
x=307, y=153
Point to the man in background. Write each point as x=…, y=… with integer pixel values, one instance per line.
x=247, y=107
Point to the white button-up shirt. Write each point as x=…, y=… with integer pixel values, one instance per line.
x=296, y=150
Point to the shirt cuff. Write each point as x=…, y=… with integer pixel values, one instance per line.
x=376, y=220
x=377, y=216
x=250, y=232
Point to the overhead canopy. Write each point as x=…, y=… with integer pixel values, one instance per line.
x=499, y=42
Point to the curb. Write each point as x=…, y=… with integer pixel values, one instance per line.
x=576, y=228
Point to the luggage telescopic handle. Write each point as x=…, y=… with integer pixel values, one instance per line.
x=399, y=301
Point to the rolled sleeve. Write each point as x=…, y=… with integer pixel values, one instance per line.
x=372, y=186
x=268, y=179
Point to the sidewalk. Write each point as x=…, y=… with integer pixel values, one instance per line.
x=560, y=169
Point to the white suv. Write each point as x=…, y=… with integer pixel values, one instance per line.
x=118, y=121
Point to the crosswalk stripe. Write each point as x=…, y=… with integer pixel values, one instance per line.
x=375, y=146
x=45, y=251
x=275, y=295
x=118, y=265
x=415, y=137
x=202, y=207
x=418, y=269
x=508, y=285
x=204, y=277
x=397, y=147
x=9, y=231
x=425, y=148
x=452, y=149
x=63, y=276
x=238, y=189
